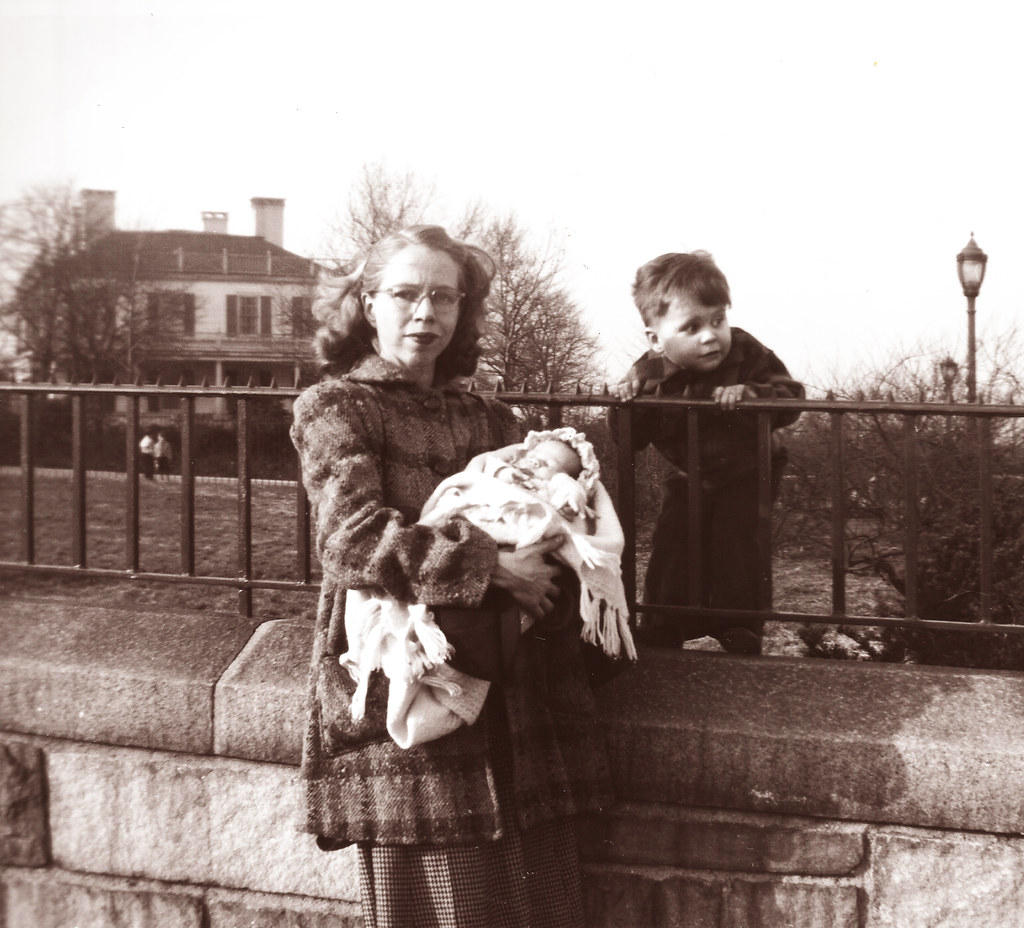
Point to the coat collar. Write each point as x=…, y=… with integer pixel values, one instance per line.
x=374, y=369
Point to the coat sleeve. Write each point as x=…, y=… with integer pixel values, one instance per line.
x=769, y=379
x=649, y=370
x=363, y=542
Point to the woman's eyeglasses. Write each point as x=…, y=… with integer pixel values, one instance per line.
x=410, y=298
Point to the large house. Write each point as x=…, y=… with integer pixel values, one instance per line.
x=225, y=308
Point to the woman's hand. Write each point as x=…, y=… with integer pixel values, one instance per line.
x=528, y=577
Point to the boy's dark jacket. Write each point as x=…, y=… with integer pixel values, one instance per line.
x=728, y=439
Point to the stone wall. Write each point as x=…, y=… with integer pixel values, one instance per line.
x=148, y=779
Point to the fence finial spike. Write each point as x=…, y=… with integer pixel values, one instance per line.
x=472, y=387
x=830, y=396
x=550, y=387
x=138, y=380
x=181, y=381
x=273, y=383
x=159, y=379
x=205, y=384
x=249, y=384
x=522, y=387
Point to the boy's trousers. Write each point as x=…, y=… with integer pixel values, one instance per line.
x=728, y=553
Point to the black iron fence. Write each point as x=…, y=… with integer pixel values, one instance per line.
x=929, y=496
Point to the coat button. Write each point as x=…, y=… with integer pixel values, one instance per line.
x=433, y=403
x=442, y=468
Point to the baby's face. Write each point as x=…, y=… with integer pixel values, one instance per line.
x=548, y=458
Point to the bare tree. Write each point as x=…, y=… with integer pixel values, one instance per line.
x=536, y=336
x=74, y=303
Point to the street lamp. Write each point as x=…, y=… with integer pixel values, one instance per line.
x=970, y=267
x=948, y=369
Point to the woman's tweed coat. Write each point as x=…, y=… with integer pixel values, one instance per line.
x=373, y=447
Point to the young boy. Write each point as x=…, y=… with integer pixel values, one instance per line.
x=694, y=353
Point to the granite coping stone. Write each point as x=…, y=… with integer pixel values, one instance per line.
x=115, y=676
x=261, y=699
x=925, y=746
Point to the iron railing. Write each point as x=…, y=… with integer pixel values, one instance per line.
x=24, y=398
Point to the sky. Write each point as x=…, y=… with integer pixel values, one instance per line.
x=833, y=158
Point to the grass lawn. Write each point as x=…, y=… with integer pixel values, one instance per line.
x=802, y=584
x=216, y=521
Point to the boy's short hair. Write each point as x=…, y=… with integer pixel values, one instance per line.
x=662, y=280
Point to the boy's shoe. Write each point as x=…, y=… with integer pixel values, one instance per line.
x=739, y=640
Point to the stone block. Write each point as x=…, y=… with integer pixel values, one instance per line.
x=260, y=702
x=618, y=898
x=771, y=905
x=114, y=675
x=928, y=746
x=23, y=838
x=945, y=880
x=49, y=899
x=646, y=897
x=698, y=839
x=213, y=821
x=262, y=911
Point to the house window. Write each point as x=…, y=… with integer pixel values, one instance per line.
x=171, y=312
x=302, y=317
x=248, y=315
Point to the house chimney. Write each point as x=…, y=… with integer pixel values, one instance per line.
x=269, y=219
x=215, y=222
x=97, y=212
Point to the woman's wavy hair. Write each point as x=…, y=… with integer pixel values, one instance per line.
x=346, y=336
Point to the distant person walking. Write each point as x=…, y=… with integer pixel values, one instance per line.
x=164, y=453
x=147, y=454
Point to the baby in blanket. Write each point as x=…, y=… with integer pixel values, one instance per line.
x=548, y=485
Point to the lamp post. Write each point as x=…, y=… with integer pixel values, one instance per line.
x=970, y=267
x=948, y=369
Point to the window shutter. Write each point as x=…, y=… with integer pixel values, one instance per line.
x=188, y=316
x=232, y=320
x=265, y=315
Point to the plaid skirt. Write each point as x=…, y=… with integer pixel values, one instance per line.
x=525, y=879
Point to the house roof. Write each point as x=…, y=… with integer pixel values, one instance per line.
x=116, y=251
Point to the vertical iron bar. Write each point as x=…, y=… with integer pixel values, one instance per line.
x=28, y=496
x=985, y=520
x=838, y=514
x=764, y=509
x=554, y=415
x=694, y=548
x=244, y=507
x=303, y=559
x=78, y=555
x=188, y=488
x=911, y=503
x=623, y=420
x=131, y=514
